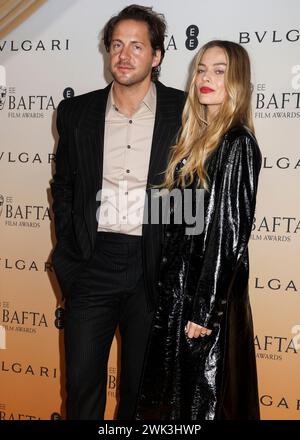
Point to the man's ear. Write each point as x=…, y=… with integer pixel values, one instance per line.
x=156, y=58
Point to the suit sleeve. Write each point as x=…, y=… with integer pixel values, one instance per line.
x=229, y=223
x=62, y=186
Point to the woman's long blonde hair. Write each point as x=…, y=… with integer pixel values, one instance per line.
x=198, y=139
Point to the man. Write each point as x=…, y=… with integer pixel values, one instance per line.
x=117, y=140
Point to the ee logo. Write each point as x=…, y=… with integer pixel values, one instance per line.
x=59, y=318
x=192, y=32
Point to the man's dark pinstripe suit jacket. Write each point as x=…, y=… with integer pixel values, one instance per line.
x=78, y=178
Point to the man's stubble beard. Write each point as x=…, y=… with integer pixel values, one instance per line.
x=132, y=80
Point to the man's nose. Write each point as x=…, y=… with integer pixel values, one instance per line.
x=125, y=52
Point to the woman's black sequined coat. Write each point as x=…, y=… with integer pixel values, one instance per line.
x=204, y=279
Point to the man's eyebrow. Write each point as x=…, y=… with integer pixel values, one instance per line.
x=133, y=41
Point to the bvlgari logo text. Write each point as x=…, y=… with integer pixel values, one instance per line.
x=24, y=157
x=28, y=369
x=34, y=46
x=279, y=402
x=25, y=265
x=281, y=163
x=266, y=36
x=270, y=285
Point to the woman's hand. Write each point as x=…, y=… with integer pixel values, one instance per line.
x=193, y=330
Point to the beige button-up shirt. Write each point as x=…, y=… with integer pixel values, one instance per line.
x=127, y=148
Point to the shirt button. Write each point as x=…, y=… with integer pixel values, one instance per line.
x=124, y=217
x=127, y=171
x=126, y=193
x=164, y=260
x=168, y=234
x=128, y=146
x=159, y=283
x=130, y=121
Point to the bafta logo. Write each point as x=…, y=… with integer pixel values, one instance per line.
x=3, y=88
x=2, y=96
x=1, y=203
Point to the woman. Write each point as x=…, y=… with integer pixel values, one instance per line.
x=201, y=358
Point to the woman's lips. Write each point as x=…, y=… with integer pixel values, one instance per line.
x=206, y=90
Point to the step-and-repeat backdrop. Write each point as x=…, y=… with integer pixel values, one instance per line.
x=56, y=52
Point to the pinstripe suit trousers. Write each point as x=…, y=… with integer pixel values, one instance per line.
x=107, y=293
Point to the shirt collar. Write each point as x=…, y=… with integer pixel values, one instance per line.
x=149, y=100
